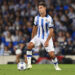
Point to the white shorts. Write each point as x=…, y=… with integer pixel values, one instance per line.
x=37, y=41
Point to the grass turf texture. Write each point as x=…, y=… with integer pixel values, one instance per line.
x=44, y=69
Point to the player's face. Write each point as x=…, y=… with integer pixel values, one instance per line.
x=41, y=9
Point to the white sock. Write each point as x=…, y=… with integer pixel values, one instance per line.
x=29, y=56
x=29, y=60
x=55, y=61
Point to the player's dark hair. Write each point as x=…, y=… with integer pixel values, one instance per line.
x=42, y=4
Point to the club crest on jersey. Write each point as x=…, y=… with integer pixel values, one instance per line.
x=46, y=20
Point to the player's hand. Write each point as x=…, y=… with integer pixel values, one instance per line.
x=46, y=44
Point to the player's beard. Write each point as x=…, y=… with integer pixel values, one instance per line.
x=41, y=13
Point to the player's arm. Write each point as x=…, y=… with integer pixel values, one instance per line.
x=34, y=31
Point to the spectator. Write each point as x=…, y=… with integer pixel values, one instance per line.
x=1, y=48
x=16, y=21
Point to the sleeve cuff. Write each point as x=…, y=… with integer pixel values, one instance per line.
x=51, y=27
x=35, y=24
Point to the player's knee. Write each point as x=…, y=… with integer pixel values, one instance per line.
x=52, y=54
x=30, y=45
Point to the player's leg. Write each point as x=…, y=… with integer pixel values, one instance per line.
x=25, y=59
x=33, y=43
x=54, y=60
x=18, y=55
x=50, y=50
x=29, y=54
x=18, y=58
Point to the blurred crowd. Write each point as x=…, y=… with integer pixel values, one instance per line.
x=16, y=22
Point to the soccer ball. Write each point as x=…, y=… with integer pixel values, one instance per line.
x=21, y=66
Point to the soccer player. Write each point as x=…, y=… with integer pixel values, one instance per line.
x=42, y=34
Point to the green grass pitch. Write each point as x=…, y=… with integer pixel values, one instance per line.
x=44, y=69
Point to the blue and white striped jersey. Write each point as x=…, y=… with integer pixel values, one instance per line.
x=43, y=24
